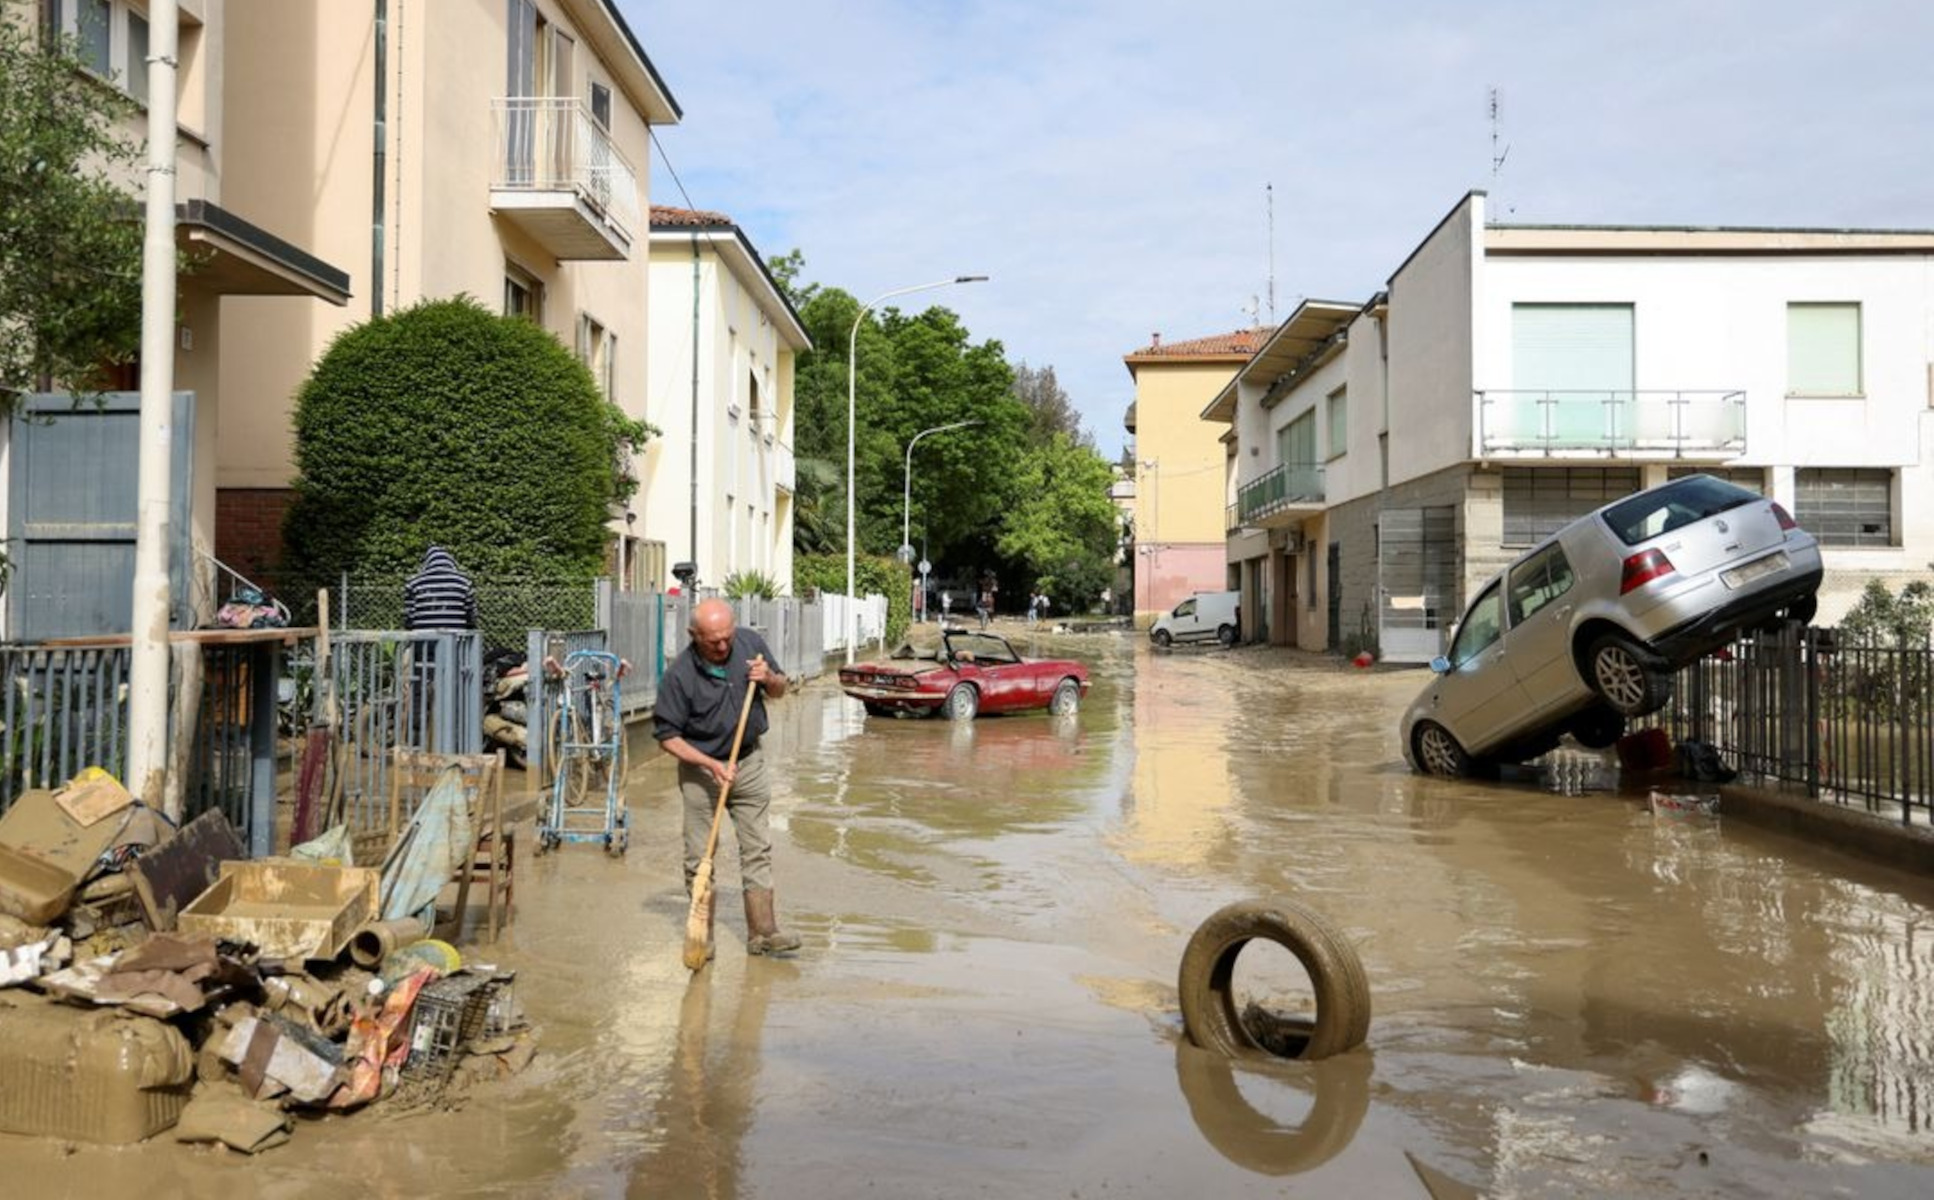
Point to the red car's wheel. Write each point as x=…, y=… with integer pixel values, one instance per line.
x=963, y=703
x=1067, y=699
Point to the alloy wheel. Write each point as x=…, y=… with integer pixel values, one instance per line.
x=1621, y=678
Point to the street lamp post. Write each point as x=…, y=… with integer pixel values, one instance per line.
x=906, y=510
x=852, y=381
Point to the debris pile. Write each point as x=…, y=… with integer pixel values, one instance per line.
x=506, y=716
x=154, y=978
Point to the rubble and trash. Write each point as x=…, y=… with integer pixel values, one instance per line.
x=154, y=978
x=506, y=719
x=1693, y=805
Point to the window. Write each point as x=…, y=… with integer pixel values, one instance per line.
x=601, y=106
x=1481, y=627
x=1296, y=442
x=752, y=401
x=1674, y=506
x=1823, y=350
x=598, y=350
x=523, y=294
x=1571, y=373
x=1337, y=415
x=1845, y=506
x=1539, y=580
x=1539, y=501
x=1185, y=609
x=111, y=40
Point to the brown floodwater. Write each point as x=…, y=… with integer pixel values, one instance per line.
x=1571, y=995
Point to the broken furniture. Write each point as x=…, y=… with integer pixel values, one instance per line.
x=288, y=908
x=170, y=876
x=491, y=856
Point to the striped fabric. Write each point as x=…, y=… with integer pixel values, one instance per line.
x=439, y=595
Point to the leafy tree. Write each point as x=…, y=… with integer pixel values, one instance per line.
x=872, y=575
x=445, y=423
x=1881, y=618
x=70, y=237
x=1063, y=529
x=1053, y=411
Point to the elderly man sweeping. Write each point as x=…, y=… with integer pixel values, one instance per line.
x=699, y=701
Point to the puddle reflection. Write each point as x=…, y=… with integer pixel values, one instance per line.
x=1338, y=1091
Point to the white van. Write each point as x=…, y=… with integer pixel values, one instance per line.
x=1202, y=616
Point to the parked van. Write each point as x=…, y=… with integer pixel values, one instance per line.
x=1202, y=616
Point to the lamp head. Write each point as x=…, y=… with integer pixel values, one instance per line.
x=970, y=279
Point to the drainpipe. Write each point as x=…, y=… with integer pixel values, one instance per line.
x=148, y=659
x=693, y=557
x=380, y=136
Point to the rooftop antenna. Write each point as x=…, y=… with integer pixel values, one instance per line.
x=1269, y=204
x=1497, y=155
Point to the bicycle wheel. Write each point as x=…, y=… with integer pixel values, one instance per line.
x=572, y=754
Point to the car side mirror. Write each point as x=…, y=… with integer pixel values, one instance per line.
x=1440, y=665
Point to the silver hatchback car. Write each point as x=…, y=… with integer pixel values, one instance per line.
x=1587, y=628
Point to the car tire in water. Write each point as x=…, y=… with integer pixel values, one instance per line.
x=1598, y=727
x=1258, y=1140
x=1226, y=634
x=1209, y=1005
x=1160, y=637
x=963, y=702
x=1067, y=699
x=1438, y=753
x=1631, y=680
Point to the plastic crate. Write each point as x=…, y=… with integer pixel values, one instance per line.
x=453, y=1012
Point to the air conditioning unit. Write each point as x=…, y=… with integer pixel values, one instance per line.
x=1292, y=541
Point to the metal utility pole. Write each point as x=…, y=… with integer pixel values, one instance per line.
x=148, y=665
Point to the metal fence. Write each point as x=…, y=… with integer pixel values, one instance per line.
x=418, y=690
x=65, y=708
x=508, y=607
x=1852, y=724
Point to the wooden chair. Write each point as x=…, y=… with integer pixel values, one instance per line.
x=492, y=852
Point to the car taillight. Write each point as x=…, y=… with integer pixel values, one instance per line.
x=1787, y=523
x=1642, y=568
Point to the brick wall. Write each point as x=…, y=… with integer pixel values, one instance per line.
x=248, y=531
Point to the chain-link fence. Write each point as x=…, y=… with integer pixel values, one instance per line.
x=508, y=607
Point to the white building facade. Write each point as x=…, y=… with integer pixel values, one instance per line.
x=1391, y=456
x=724, y=340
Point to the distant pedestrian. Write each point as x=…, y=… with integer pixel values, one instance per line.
x=946, y=608
x=1033, y=607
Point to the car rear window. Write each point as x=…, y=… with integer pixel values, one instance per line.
x=1677, y=504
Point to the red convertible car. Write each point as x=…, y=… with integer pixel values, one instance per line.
x=970, y=673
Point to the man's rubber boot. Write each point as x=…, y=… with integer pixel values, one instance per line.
x=762, y=932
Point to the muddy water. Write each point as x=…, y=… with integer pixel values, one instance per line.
x=1572, y=995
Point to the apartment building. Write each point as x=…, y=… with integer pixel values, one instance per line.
x=1386, y=457
x=497, y=148
x=67, y=471
x=1178, y=489
x=719, y=480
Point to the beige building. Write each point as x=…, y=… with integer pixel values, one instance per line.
x=492, y=147
x=1180, y=465
x=720, y=390
x=70, y=476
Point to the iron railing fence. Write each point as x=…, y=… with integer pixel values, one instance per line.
x=65, y=708
x=396, y=690
x=1851, y=723
x=1277, y=489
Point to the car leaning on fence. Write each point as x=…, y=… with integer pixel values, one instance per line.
x=970, y=673
x=1585, y=630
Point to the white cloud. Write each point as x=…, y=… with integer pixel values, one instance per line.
x=1105, y=162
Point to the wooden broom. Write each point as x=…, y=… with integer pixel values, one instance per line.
x=698, y=921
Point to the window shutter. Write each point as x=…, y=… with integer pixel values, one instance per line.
x=1823, y=349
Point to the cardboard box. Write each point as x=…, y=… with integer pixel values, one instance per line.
x=289, y=908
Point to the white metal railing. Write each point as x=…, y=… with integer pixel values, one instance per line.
x=785, y=469
x=1619, y=424
x=551, y=144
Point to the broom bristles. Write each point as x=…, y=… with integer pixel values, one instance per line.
x=698, y=921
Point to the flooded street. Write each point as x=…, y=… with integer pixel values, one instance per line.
x=1572, y=996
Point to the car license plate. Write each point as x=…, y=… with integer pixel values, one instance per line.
x=1759, y=568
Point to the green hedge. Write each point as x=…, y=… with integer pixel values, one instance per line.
x=886, y=575
x=448, y=424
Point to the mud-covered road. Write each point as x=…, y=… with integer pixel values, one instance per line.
x=1572, y=996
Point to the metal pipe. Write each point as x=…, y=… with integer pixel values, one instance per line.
x=148, y=699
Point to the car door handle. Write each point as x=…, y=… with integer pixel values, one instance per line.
x=1563, y=610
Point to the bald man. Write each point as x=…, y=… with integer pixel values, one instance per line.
x=697, y=713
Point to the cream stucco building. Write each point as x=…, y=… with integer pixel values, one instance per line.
x=1178, y=492
x=718, y=481
x=497, y=148
x=67, y=478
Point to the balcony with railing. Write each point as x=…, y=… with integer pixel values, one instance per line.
x=785, y=468
x=1611, y=424
x=1288, y=493
x=559, y=177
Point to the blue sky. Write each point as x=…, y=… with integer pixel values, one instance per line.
x=1105, y=162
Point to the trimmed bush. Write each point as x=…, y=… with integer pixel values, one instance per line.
x=884, y=574
x=448, y=424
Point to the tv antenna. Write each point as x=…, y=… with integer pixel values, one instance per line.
x=1269, y=205
x=1497, y=156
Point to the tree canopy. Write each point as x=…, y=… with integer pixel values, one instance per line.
x=1003, y=493
x=70, y=234
x=445, y=423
